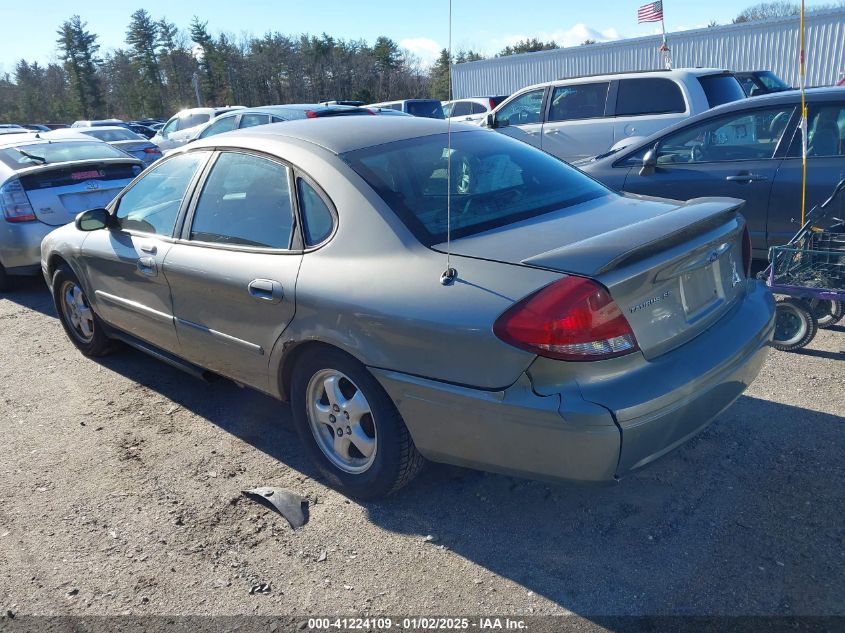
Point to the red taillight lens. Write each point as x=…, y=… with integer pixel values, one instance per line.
x=571, y=319
x=15, y=203
x=311, y=114
x=746, y=251
x=152, y=150
x=492, y=104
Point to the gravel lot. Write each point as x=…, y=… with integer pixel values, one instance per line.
x=120, y=486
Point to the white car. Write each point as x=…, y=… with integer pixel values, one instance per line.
x=580, y=118
x=472, y=109
x=184, y=126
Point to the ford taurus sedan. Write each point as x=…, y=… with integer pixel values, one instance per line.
x=575, y=334
x=45, y=184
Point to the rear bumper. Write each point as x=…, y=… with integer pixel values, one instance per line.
x=590, y=428
x=20, y=246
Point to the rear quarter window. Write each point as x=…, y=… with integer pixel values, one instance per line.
x=721, y=89
x=649, y=95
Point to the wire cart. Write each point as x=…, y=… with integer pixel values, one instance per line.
x=809, y=273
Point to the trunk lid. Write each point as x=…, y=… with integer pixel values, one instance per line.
x=135, y=148
x=673, y=268
x=59, y=192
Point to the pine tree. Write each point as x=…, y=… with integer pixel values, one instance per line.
x=141, y=36
x=78, y=48
x=439, y=87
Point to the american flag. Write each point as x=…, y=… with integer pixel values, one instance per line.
x=651, y=12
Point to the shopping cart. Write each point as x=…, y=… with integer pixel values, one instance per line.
x=809, y=274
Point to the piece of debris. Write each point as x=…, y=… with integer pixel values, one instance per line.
x=323, y=555
x=290, y=505
x=430, y=539
x=73, y=592
x=262, y=587
x=10, y=614
x=173, y=409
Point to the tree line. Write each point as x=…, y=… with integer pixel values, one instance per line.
x=163, y=68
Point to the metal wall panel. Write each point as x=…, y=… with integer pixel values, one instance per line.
x=764, y=45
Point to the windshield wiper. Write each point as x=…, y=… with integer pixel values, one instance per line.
x=38, y=159
x=610, y=153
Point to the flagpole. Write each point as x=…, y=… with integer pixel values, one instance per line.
x=804, y=123
x=667, y=59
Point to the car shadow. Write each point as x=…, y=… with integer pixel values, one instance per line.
x=819, y=353
x=741, y=520
x=30, y=292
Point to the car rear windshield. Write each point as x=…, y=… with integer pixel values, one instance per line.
x=431, y=109
x=110, y=136
x=57, y=153
x=721, y=89
x=495, y=181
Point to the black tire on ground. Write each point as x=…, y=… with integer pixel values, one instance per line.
x=795, y=325
x=98, y=344
x=827, y=312
x=4, y=279
x=396, y=461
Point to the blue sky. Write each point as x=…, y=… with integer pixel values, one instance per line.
x=28, y=29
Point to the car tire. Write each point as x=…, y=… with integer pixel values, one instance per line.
x=338, y=406
x=5, y=284
x=795, y=324
x=82, y=325
x=828, y=313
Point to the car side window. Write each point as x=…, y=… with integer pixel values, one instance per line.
x=245, y=201
x=251, y=120
x=526, y=108
x=747, y=135
x=585, y=101
x=192, y=120
x=461, y=108
x=649, y=95
x=477, y=108
x=317, y=220
x=223, y=124
x=153, y=203
x=825, y=132
x=170, y=126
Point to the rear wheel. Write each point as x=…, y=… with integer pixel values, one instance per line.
x=795, y=325
x=350, y=426
x=827, y=312
x=79, y=320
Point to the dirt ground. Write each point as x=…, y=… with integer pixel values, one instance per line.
x=120, y=486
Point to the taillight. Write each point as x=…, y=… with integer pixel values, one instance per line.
x=571, y=319
x=492, y=104
x=311, y=114
x=15, y=203
x=152, y=150
x=746, y=251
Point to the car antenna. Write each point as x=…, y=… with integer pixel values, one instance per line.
x=450, y=274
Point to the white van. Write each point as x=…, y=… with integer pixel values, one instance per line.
x=185, y=125
x=580, y=118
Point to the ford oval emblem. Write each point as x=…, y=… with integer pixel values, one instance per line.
x=92, y=185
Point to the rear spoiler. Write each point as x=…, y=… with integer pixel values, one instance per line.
x=601, y=253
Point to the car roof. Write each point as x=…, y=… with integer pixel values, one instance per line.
x=282, y=109
x=677, y=73
x=342, y=134
x=35, y=138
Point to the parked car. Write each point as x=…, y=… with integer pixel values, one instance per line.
x=472, y=109
x=748, y=149
x=305, y=260
x=250, y=117
x=36, y=127
x=426, y=108
x=46, y=183
x=98, y=122
x=579, y=118
x=184, y=126
x=760, y=82
x=120, y=137
x=141, y=130
x=13, y=128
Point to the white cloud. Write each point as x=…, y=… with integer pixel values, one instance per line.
x=423, y=47
x=572, y=36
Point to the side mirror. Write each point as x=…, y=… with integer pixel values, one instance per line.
x=93, y=220
x=649, y=162
x=490, y=120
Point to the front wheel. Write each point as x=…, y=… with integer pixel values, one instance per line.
x=795, y=325
x=350, y=426
x=81, y=324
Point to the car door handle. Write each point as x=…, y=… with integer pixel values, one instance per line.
x=148, y=248
x=147, y=265
x=532, y=132
x=746, y=178
x=266, y=290
x=553, y=132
